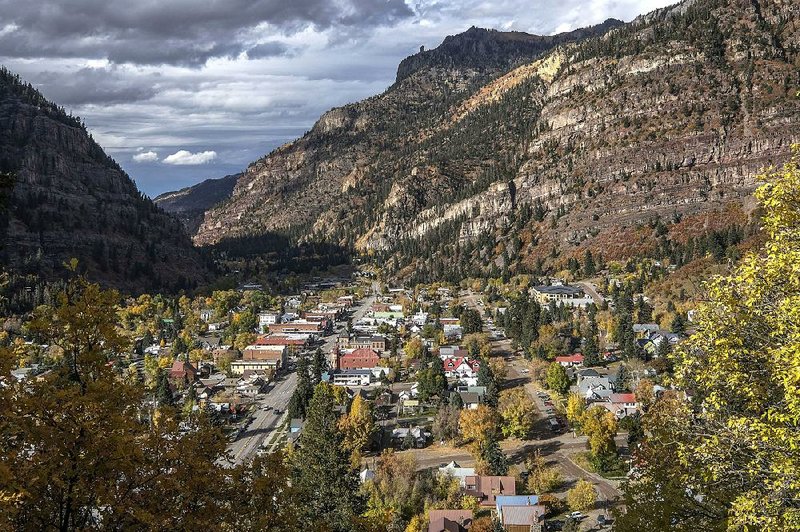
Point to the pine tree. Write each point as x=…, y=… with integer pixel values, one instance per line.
x=492, y=458
x=322, y=474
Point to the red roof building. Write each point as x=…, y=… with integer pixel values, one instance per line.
x=182, y=370
x=575, y=359
x=359, y=359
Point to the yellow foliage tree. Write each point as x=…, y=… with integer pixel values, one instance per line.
x=582, y=497
x=732, y=454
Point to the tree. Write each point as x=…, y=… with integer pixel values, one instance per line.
x=557, y=379
x=298, y=404
x=358, y=426
x=445, y=423
x=576, y=408
x=67, y=461
x=591, y=349
x=318, y=366
x=262, y=496
x=431, y=381
x=516, y=412
x=541, y=477
x=163, y=389
x=491, y=459
x=486, y=377
x=322, y=474
x=582, y=497
x=471, y=321
x=600, y=426
x=414, y=348
x=736, y=443
x=589, y=267
x=478, y=424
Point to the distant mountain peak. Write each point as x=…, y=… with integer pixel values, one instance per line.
x=484, y=48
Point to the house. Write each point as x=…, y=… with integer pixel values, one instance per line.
x=274, y=353
x=366, y=474
x=453, y=332
x=461, y=367
x=351, y=377
x=561, y=294
x=594, y=387
x=640, y=330
x=417, y=435
x=217, y=326
x=295, y=429
x=487, y=488
x=568, y=361
x=456, y=471
x=297, y=326
x=363, y=358
x=268, y=318
x=182, y=371
x=621, y=404
x=519, y=513
x=452, y=351
x=522, y=518
x=206, y=314
x=449, y=520
x=409, y=406
x=293, y=342
x=471, y=396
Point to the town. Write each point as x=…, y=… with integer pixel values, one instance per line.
x=527, y=395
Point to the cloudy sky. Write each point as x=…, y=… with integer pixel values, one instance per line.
x=182, y=90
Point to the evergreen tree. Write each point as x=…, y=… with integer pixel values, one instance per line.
x=492, y=458
x=163, y=389
x=318, y=366
x=322, y=474
x=589, y=267
x=298, y=404
x=591, y=350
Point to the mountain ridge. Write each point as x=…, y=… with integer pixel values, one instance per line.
x=668, y=116
x=68, y=199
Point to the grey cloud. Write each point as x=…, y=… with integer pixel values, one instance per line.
x=268, y=49
x=174, y=32
x=95, y=86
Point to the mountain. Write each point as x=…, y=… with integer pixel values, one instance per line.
x=463, y=170
x=484, y=49
x=66, y=198
x=190, y=204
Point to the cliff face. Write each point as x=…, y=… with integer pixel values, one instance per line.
x=68, y=199
x=671, y=115
x=190, y=204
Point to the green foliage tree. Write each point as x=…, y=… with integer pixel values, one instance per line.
x=325, y=480
x=557, y=379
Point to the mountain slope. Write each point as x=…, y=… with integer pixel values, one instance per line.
x=461, y=169
x=190, y=204
x=69, y=199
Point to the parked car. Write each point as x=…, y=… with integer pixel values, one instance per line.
x=575, y=515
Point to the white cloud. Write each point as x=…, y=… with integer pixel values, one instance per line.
x=184, y=157
x=145, y=157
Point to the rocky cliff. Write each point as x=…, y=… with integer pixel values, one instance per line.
x=67, y=198
x=457, y=165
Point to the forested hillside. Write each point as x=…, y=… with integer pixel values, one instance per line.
x=660, y=123
x=67, y=199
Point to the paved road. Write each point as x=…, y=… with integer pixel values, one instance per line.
x=277, y=399
x=590, y=289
